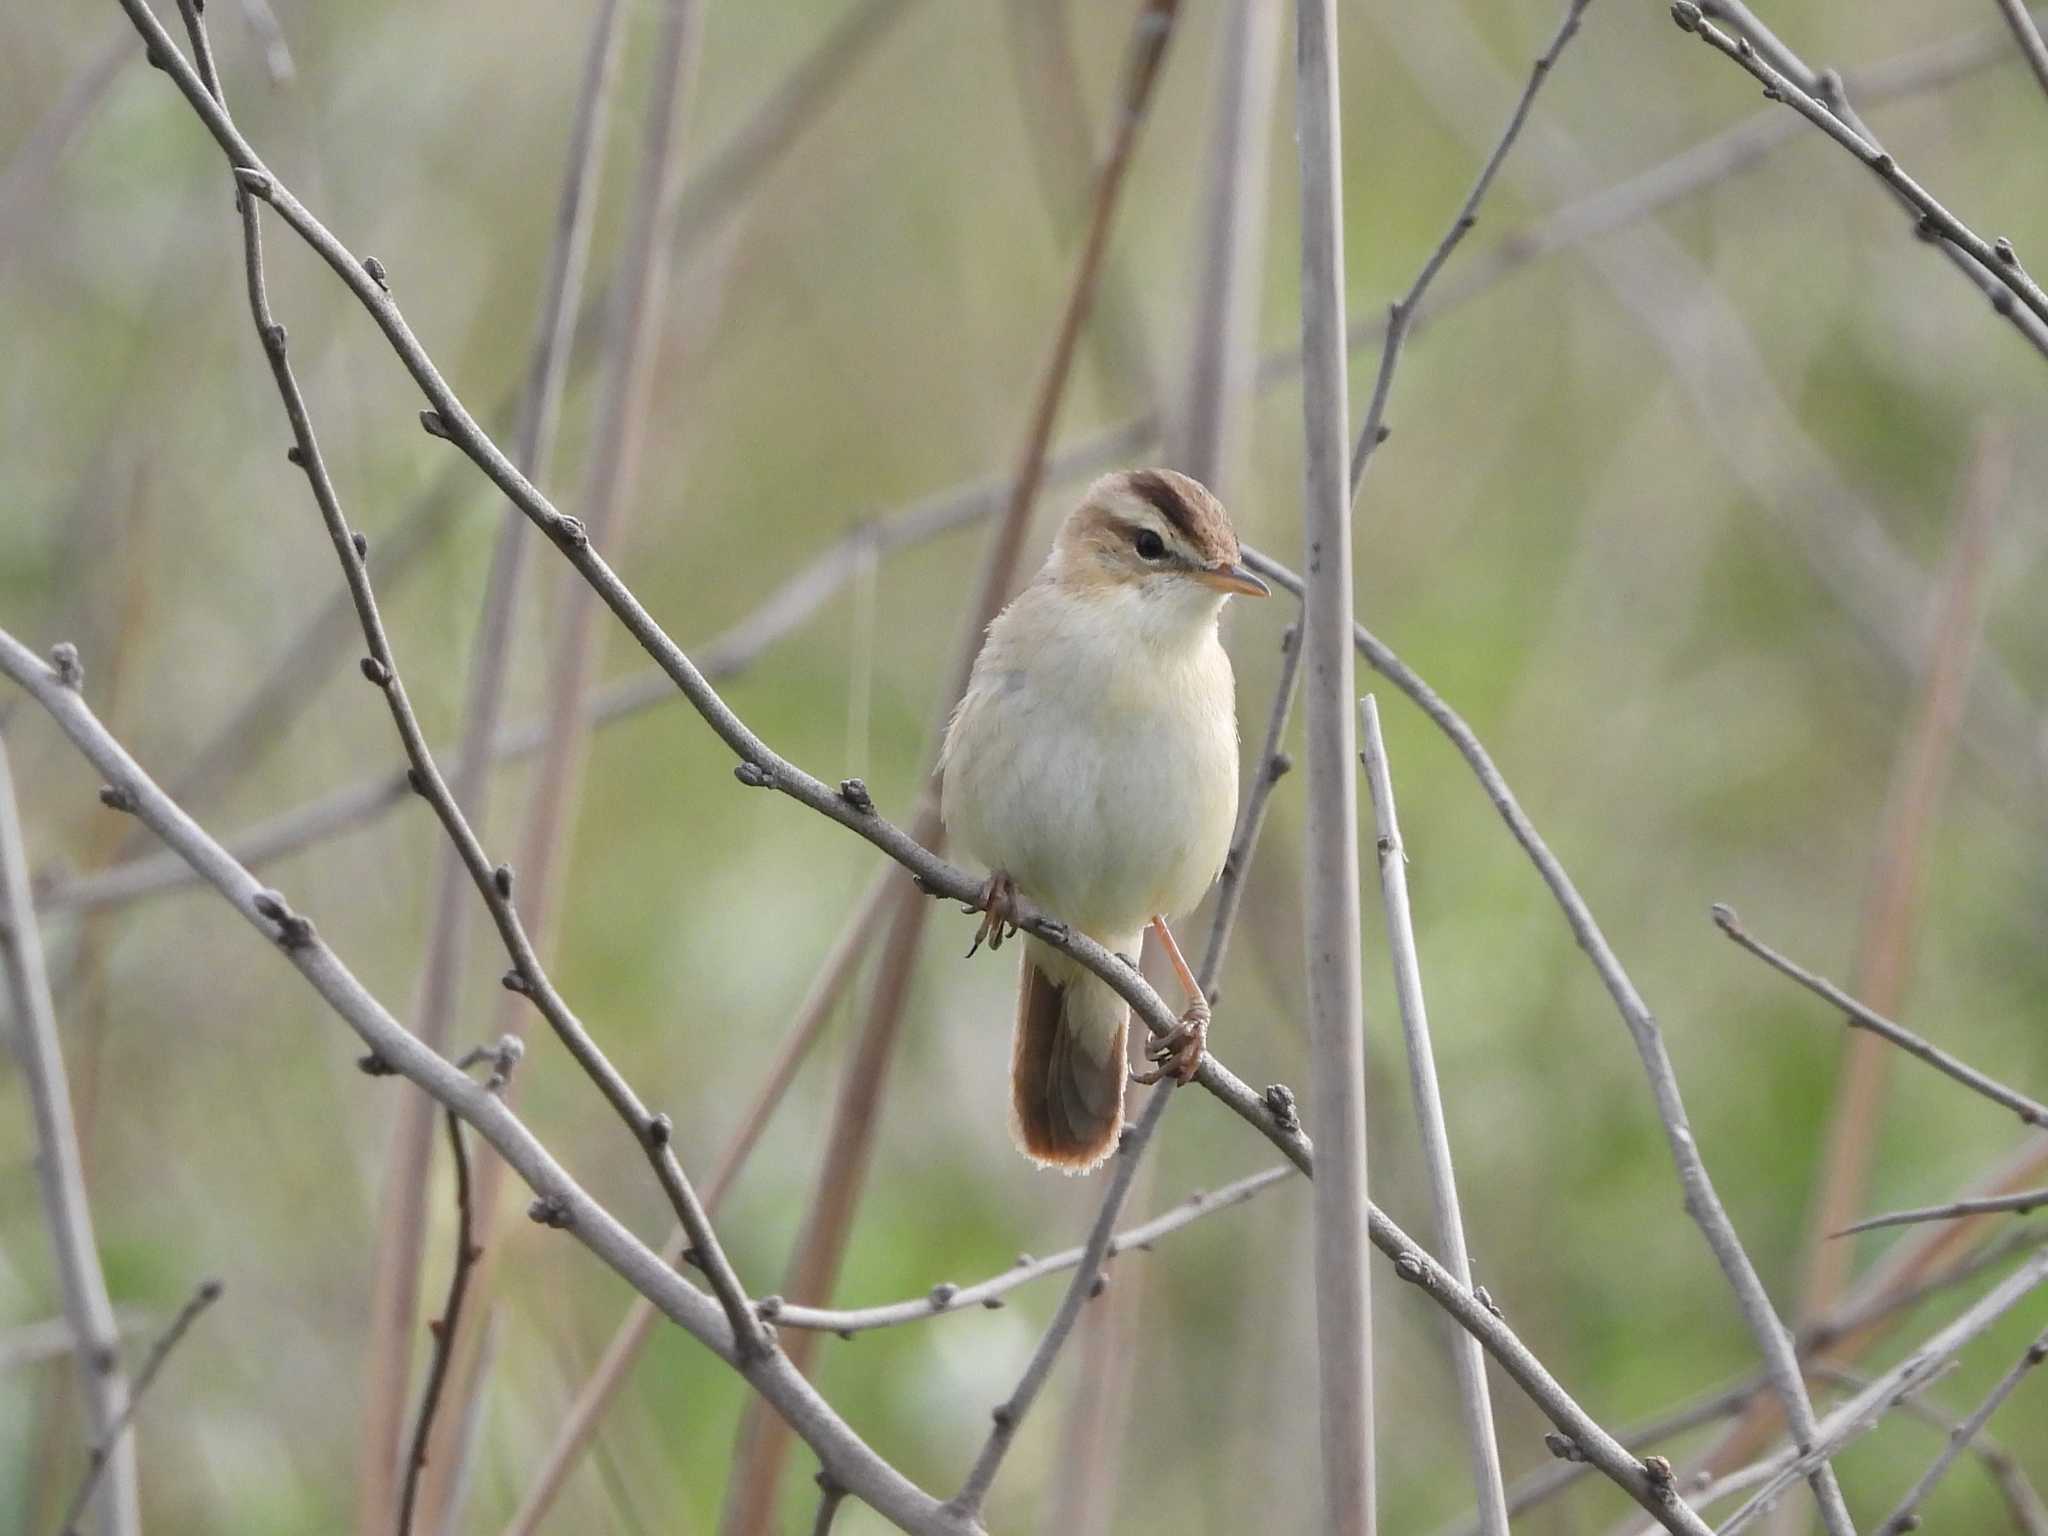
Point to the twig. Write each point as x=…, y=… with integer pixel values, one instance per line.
x=1861, y=1412
x=401, y=1229
x=2025, y=1201
x=1466, y=1356
x=596, y=1394
x=2000, y=262
x=1890, y=1289
x=1401, y=313
x=944, y=1300
x=2028, y=35
x=1857, y=1016
x=60, y=1176
x=830, y=1496
x=443, y=1328
x=1826, y=86
x=1336, y=1007
x=104, y=1452
x=1902, y=1518
x=1546, y=1482
x=2029, y=1515
x=1009, y=1414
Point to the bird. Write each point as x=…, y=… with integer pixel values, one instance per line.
x=1091, y=767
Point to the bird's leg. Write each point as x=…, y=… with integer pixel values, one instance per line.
x=1178, y=1053
x=997, y=905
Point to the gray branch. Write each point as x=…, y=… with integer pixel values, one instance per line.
x=60, y=1177
x=1466, y=1357
x=1858, y=1016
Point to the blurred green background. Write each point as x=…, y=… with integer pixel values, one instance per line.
x=1613, y=530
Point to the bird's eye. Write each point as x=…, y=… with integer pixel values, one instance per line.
x=1149, y=545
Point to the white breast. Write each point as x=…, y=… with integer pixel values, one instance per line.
x=1094, y=758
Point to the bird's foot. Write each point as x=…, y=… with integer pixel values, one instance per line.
x=997, y=905
x=1178, y=1053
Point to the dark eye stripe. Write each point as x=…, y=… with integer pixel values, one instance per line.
x=1169, y=502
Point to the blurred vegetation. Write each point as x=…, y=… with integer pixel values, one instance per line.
x=1550, y=537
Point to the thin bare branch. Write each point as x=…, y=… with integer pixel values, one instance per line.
x=1336, y=1005
x=2023, y=1202
x=1998, y=261
x=944, y=1299
x=1401, y=313
x=2029, y=1515
x=1857, y=1016
x=1545, y=1483
x=1902, y=1518
x=109, y=1448
x=560, y=1202
x=830, y=1497
x=60, y=1180
x=443, y=1327
x=1862, y=1412
x=1892, y=1287
x=2027, y=34
x=1466, y=1357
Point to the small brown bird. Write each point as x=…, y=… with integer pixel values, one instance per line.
x=1092, y=766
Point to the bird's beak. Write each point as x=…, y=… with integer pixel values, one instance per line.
x=1231, y=577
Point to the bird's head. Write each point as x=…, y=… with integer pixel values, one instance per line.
x=1157, y=537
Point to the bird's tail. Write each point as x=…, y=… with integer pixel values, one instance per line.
x=1067, y=1065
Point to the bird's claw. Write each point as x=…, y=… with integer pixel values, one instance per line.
x=1178, y=1053
x=997, y=905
